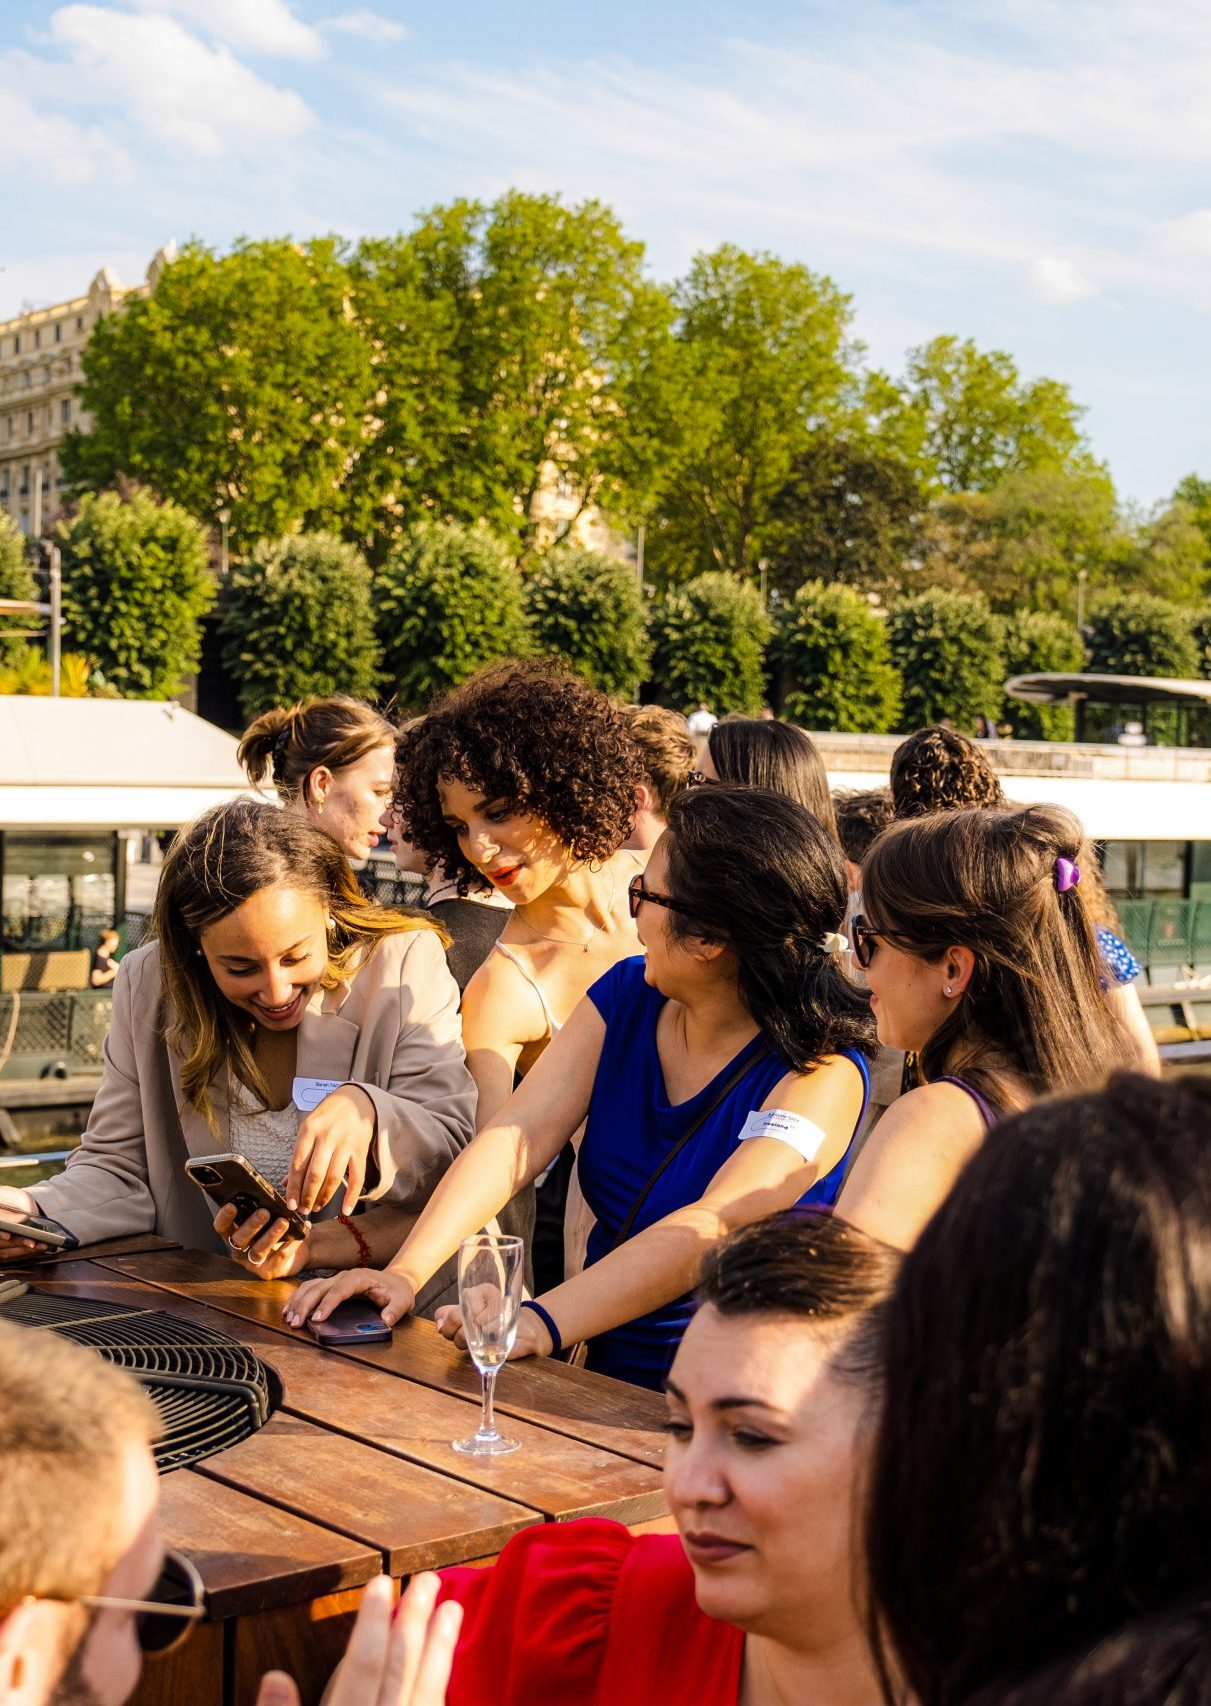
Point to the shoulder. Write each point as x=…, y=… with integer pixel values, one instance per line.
x=910, y=1161
x=622, y=985
x=139, y=973
x=837, y=1080
x=1119, y=961
x=401, y=956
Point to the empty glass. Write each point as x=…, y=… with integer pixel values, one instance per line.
x=490, y=1273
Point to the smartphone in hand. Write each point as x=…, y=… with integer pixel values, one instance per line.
x=39, y=1231
x=232, y=1179
x=354, y=1322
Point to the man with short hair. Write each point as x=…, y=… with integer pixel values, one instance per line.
x=81, y=1550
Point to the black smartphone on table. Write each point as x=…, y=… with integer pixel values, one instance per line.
x=233, y=1179
x=37, y=1230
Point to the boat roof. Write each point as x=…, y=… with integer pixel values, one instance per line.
x=110, y=764
x=1108, y=689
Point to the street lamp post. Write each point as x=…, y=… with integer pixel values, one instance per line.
x=1081, y=576
x=224, y=516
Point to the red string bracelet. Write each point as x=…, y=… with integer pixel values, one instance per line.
x=365, y=1259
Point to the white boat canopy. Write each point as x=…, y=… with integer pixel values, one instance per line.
x=91, y=764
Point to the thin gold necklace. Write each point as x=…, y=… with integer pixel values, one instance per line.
x=596, y=929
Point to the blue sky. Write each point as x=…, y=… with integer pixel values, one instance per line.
x=1033, y=174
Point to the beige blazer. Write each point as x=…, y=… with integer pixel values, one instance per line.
x=393, y=1029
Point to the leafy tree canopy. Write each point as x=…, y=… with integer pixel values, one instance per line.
x=1039, y=642
x=708, y=639
x=1136, y=633
x=948, y=648
x=836, y=663
x=589, y=608
x=447, y=601
x=240, y=382
x=136, y=584
x=978, y=419
x=298, y=622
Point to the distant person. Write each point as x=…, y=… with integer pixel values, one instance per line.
x=105, y=960
x=332, y=760
x=938, y=770
x=701, y=721
x=862, y=816
x=86, y=1583
x=666, y=751
x=773, y=755
x=1132, y=734
x=986, y=729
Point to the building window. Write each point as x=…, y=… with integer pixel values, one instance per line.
x=24, y=522
x=25, y=480
x=58, y=331
x=17, y=344
x=29, y=421
x=38, y=340
x=8, y=426
x=65, y=412
x=79, y=322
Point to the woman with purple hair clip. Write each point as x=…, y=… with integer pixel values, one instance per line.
x=977, y=938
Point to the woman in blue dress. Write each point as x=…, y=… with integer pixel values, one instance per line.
x=723, y=1075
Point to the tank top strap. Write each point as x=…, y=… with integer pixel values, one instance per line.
x=552, y=1021
x=987, y=1112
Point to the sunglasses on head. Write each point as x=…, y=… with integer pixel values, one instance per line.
x=176, y=1602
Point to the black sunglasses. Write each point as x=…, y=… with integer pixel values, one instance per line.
x=866, y=941
x=165, y=1617
x=637, y=894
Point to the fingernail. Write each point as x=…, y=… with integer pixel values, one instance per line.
x=292, y=1202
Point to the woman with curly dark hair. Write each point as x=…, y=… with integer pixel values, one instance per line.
x=723, y=1077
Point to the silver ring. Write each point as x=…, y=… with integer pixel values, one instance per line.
x=232, y=1245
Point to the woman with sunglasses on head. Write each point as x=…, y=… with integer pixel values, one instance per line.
x=757, y=752
x=330, y=760
x=980, y=955
x=723, y=1076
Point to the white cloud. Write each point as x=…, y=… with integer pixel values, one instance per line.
x=252, y=26
x=1053, y=279
x=1189, y=238
x=54, y=146
x=371, y=26
x=172, y=85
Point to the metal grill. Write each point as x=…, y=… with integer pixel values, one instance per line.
x=69, y=1026
x=210, y=1391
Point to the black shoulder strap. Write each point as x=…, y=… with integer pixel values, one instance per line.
x=692, y=1130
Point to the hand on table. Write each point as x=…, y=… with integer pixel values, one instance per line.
x=532, y=1339
x=400, y=1660
x=333, y=1144
x=17, y=1202
x=319, y=1297
x=262, y=1247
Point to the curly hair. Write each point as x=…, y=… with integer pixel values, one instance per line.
x=531, y=733
x=862, y=816
x=937, y=770
x=666, y=749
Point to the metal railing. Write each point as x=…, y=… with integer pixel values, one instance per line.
x=1035, y=757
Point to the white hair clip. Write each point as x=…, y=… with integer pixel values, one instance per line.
x=834, y=943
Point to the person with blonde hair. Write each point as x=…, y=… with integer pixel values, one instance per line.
x=281, y=1015
x=333, y=760
x=666, y=751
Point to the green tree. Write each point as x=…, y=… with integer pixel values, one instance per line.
x=16, y=581
x=979, y=420
x=948, y=648
x=241, y=382
x=136, y=584
x=837, y=672
x=588, y=607
x=708, y=640
x=846, y=515
x=1038, y=642
x=757, y=361
x=1136, y=633
x=298, y=621
x=1195, y=493
x=1169, y=555
x=447, y=601
x=503, y=338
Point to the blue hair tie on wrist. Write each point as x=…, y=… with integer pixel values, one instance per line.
x=548, y=1323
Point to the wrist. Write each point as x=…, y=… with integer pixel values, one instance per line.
x=549, y=1326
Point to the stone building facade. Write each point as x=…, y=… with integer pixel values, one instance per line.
x=40, y=366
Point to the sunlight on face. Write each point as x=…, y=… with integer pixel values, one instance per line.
x=268, y=955
x=519, y=855
x=760, y=1467
x=355, y=802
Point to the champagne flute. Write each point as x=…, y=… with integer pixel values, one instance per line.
x=490, y=1272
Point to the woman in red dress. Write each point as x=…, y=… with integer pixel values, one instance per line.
x=751, y=1603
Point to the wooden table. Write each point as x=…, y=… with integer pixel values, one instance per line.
x=353, y=1474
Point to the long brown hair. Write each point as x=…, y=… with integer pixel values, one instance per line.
x=218, y=862
x=287, y=744
x=759, y=753
x=1034, y=1011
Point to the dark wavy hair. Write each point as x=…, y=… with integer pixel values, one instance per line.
x=760, y=873
x=1042, y=1469
x=1162, y=1660
x=862, y=816
x=811, y=1264
x=939, y=770
x=986, y=880
x=760, y=753
x=531, y=733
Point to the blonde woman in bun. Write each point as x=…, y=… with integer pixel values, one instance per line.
x=331, y=759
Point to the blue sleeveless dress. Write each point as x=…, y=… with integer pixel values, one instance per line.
x=631, y=1126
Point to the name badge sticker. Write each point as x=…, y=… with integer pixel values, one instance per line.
x=308, y=1093
x=803, y=1135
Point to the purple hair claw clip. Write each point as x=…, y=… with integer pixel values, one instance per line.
x=1067, y=875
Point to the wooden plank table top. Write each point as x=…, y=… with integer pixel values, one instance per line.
x=354, y=1472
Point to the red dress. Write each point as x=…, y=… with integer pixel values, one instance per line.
x=583, y=1613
